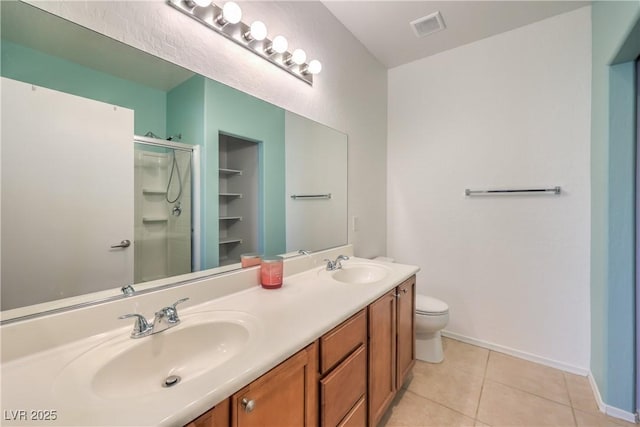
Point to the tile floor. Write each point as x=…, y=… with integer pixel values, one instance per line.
x=474, y=386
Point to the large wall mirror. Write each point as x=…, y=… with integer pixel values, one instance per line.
x=119, y=168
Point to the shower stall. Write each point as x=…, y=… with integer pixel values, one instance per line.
x=166, y=209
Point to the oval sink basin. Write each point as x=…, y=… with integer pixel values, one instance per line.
x=360, y=273
x=124, y=367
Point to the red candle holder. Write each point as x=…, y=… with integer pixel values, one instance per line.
x=271, y=269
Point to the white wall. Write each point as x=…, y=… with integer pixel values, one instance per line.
x=507, y=111
x=349, y=95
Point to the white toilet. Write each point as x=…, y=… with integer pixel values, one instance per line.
x=432, y=315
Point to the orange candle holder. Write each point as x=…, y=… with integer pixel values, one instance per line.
x=249, y=260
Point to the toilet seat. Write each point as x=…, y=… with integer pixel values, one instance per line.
x=430, y=306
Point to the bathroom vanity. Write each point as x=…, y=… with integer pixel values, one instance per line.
x=328, y=348
x=359, y=366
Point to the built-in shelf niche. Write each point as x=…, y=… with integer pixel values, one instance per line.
x=238, y=198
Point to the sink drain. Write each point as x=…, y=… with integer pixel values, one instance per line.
x=171, y=380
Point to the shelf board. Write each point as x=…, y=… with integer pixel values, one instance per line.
x=238, y=195
x=155, y=219
x=151, y=191
x=230, y=218
x=224, y=171
x=229, y=240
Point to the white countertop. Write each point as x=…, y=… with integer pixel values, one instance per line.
x=308, y=305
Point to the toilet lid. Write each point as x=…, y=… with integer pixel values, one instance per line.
x=430, y=305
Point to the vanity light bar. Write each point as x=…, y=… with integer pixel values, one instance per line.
x=230, y=26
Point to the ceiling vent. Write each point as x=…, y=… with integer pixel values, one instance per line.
x=428, y=24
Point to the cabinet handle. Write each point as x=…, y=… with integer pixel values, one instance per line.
x=398, y=295
x=247, y=404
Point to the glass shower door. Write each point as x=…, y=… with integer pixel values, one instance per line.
x=163, y=211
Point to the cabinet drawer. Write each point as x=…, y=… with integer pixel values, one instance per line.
x=343, y=388
x=338, y=343
x=357, y=417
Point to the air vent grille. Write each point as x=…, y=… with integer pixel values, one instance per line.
x=429, y=24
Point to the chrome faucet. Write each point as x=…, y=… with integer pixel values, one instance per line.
x=337, y=264
x=165, y=318
x=128, y=290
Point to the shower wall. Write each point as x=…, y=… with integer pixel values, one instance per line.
x=162, y=213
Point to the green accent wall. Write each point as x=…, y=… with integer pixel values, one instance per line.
x=614, y=29
x=31, y=66
x=200, y=109
x=236, y=113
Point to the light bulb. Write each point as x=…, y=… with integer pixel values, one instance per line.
x=231, y=12
x=298, y=56
x=280, y=44
x=258, y=30
x=202, y=3
x=314, y=67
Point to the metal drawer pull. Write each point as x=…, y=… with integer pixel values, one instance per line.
x=247, y=404
x=398, y=295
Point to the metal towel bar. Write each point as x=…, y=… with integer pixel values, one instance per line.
x=554, y=190
x=311, y=196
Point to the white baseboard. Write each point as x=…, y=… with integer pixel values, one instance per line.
x=607, y=409
x=596, y=393
x=520, y=354
x=619, y=413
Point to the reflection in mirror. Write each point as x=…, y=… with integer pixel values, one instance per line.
x=166, y=242
x=316, y=158
x=85, y=210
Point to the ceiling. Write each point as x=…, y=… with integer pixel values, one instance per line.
x=383, y=26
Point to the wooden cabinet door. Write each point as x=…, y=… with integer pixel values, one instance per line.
x=285, y=396
x=406, y=342
x=216, y=417
x=382, y=355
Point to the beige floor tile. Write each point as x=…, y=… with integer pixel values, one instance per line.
x=619, y=422
x=411, y=410
x=598, y=419
x=501, y=405
x=447, y=386
x=581, y=393
x=465, y=357
x=528, y=376
x=622, y=423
